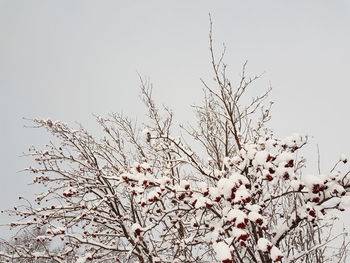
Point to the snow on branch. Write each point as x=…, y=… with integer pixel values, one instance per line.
x=227, y=191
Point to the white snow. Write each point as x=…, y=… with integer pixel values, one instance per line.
x=236, y=215
x=294, y=140
x=276, y=254
x=153, y=196
x=250, y=151
x=254, y=216
x=264, y=245
x=227, y=161
x=283, y=158
x=295, y=184
x=311, y=180
x=260, y=158
x=136, y=227
x=241, y=194
x=145, y=134
x=237, y=233
x=222, y=251
x=184, y=184
x=146, y=166
x=345, y=201
x=83, y=259
x=214, y=193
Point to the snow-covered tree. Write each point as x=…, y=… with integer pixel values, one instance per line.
x=226, y=190
x=34, y=240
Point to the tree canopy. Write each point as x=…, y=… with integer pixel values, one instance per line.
x=224, y=190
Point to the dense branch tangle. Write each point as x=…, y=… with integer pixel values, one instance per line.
x=140, y=194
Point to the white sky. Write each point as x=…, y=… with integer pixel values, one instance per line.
x=68, y=59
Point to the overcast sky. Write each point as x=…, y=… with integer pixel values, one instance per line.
x=68, y=59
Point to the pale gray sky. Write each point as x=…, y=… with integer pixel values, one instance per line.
x=68, y=59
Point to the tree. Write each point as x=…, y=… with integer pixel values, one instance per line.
x=34, y=240
x=142, y=194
